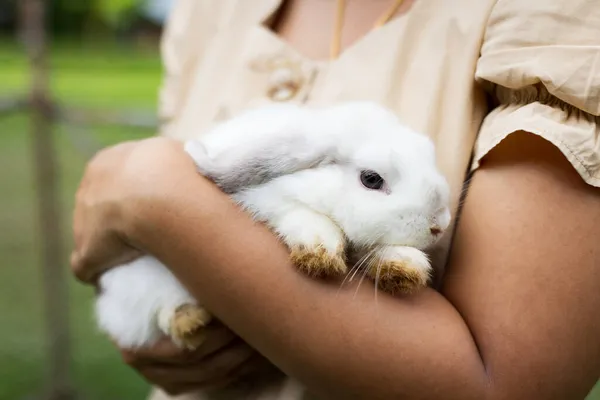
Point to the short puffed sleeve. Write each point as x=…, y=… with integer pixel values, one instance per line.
x=540, y=62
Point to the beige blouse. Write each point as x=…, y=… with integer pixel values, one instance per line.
x=466, y=72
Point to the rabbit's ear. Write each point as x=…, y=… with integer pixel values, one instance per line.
x=249, y=151
x=256, y=164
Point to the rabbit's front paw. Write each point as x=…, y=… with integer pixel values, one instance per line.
x=399, y=269
x=186, y=325
x=317, y=245
x=317, y=261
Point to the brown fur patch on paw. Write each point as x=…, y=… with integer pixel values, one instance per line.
x=317, y=262
x=187, y=325
x=398, y=277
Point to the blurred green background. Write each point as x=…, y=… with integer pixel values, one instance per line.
x=103, y=78
x=101, y=66
x=104, y=57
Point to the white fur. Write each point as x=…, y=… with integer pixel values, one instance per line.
x=298, y=170
x=137, y=301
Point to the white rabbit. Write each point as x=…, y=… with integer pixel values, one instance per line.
x=328, y=181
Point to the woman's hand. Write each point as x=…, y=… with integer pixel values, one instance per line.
x=115, y=182
x=222, y=360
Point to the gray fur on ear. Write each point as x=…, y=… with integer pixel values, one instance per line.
x=260, y=145
x=254, y=169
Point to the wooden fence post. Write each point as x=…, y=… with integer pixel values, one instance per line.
x=53, y=262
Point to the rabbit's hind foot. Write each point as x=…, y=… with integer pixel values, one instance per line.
x=187, y=325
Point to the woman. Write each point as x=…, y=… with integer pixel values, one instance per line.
x=510, y=93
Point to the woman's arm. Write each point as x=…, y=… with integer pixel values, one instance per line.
x=518, y=315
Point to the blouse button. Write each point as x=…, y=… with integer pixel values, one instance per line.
x=284, y=79
x=284, y=83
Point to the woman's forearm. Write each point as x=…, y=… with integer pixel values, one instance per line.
x=340, y=343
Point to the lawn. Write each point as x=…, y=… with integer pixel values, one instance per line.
x=105, y=77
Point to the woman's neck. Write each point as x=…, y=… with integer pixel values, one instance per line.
x=308, y=25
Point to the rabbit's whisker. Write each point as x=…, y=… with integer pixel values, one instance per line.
x=350, y=275
x=375, y=240
x=359, y=264
x=378, y=271
x=365, y=271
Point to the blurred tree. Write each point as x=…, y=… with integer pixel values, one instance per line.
x=118, y=13
x=76, y=17
x=68, y=16
x=95, y=16
x=8, y=15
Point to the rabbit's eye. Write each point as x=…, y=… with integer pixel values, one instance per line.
x=371, y=180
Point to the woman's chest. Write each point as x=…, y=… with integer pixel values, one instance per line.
x=420, y=64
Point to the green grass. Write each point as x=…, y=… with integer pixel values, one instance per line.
x=100, y=77
x=97, y=75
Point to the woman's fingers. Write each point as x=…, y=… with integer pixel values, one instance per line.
x=114, y=182
x=217, y=366
x=221, y=359
x=219, y=369
x=166, y=352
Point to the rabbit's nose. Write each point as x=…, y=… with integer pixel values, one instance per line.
x=435, y=230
